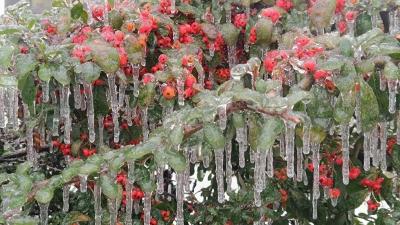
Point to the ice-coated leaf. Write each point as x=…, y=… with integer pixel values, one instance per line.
x=44, y=72
x=214, y=136
x=115, y=19
x=24, y=63
x=210, y=30
x=89, y=71
x=146, y=94
x=44, y=195
x=363, y=24
x=344, y=108
x=108, y=187
x=391, y=71
x=176, y=135
x=230, y=33
x=105, y=56
x=60, y=73
x=23, y=168
x=175, y=159
x=26, y=84
x=319, y=109
x=369, y=107
x=6, y=53
x=271, y=129
x=321, y=13
x=24, y=220
x=254, y=131
x=264, y=28
x=238, y=120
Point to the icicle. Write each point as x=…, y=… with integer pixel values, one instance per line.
x=326, y=193
x=219, y=168
x=2, y=104
x=393, y=22
x=232, y=55
x=299, y=164
x=44, y=213
x=257, y=198
x=358, y=109
x=398, y=127
x=367, y=151
x=90, y=111
x=100, y=120
x=186, y=180
x=241, y=138
x=289, y=142
x=121, y=95
x=374, y=139
x=65, y=195
x=315, y=162
x=282, y=149
x=45, y=91
x=270, y=163
x=222, y=116
x=306, y=139
x=160, y=180
x=97, y=204
x=147, y=208
x=252, y=156
x=212, y=49
x=351, y=26
x=193, y=155
x=114, y=105
x=382, y=80
x=392, y=86
x=345, y=152
x=30, y=151
x=83, y=183
x=334, y=201
x=65, y=113
x=113, y=210
x=383, y=141
x=129, y=203
x=181, y=90
x=77, y=94
x=315, y=208
x=169, y=190
x=136, y=83
x=175, y=35
x=228, y=165
x=145, y=123
x=179, y=198
x=56, y=119
x=14, y=106
x=206, y=161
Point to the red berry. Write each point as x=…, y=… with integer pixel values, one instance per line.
x=153, y=221
x=354, y=173
x=334, y=192
x=309, y=65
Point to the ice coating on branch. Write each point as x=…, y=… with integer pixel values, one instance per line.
x=374, y=139
x=65, y=113
x=45, y=91
x=306, y=139
x=83, y=183
x=160, y=180
x=44, y=213
x=222, y=116
x=77, y=95
x=367, y=151
x=219, y=168
x=114, y=105
x=232, y=55
x=345, y=135
x=90, y=111
x=241, y=138
x=179, y=198
x=56, y=119
x=2, y=104
x=97, y=204
x=65, y=196
x=147, y=208
x=383, y=140
x=289, y=142
x=228, y=165
x=392, y=87
x=270, y=163
x=145, y=123
x=299, y=164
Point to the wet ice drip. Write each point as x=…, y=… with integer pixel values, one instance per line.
x=160, y=179
x=31, y=154
x=2, y=109
x=282, y=148
x=45, y=91
x=147, y=208
x=44, y=213
x=232, y=55
x=77, y=94
x=145, y=123
x=222, y=116
x=56, y=116
x=374, y=140
x=306, y=139
x=100, y=121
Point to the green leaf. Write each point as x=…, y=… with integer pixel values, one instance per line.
x=45, y=72
x=60, y=73
x=24, y=63
x=89, y=71
x=24, y=220
x=115, y=19
x=44, y=195
x=6, y=53
x=369, y=107
x=26, y=84
x=270, y=131
x=363, y=24
x=10, y=29
x=77, y=11
x=105, y=56
x=344, y=108
x=146, y=94
x=108, y=187
x=264, y=28
x=230, y=33
x=214, y=136
x=354, y=200
x=176, y=135
x=175, y=159
x=391, y=71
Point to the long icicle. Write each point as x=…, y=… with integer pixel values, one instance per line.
x=219, y=167
x=383, y=141
x=289, y=142
x=160, y=180
x=77, y=94
x=65, y=195
x=2, y=110
x=374, y=139
x=45, y=91
x=147, y=208
x=270, y=163
x=241, y=138
x=306, y=139
x=90, y=111
x=398, y=128
x=44, y=213
x=392, y=87
x=97, y=204
x=299, y=164
x=345, y=152
x=179, y=198
x=145, y=123
x=113, y=210
x=56, y=116
x=367, y=151
x=222, y=116
x=228, y=165
x=100, y=120
x=65, y=113
x=316, y=193
x=114, y=105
